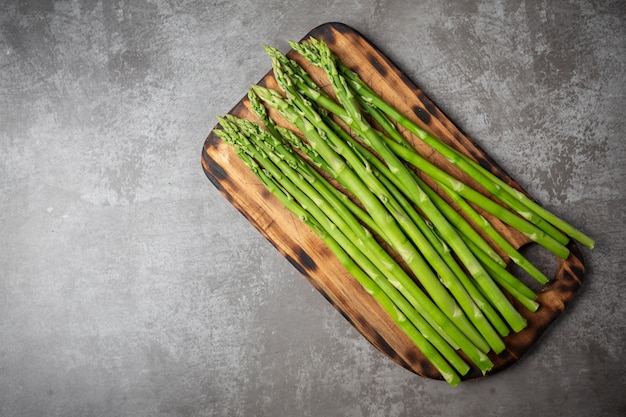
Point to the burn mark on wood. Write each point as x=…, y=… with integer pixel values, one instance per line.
x=305, y=260
x=482, y=161
x=576, y=251
x=426, y=366
x=567, y=284
x=377, y=64
x=346, y=316
x=422, y=114
x=576, y=270
x=296, y=264
x=412, y=357
x=576, y=259
x=430, y=106
x=326, y=32
x=214, y=172
x=482, y=158
x=215, y=182
x=327, y=297
x=266, y=194
x=382, y=344
x=406, y=80
x=212, y=141
x=570, y=275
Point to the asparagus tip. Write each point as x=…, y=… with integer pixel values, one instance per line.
x=272, y=51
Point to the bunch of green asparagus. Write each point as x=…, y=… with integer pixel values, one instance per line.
x=346, y=170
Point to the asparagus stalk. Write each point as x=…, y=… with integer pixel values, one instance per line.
x=313, y=92
x=508, y=281
x=358, y=180
x=291, y=139
x=386, y=188
x=298, y=74
x=442, y=248
x=455, y=217
x=383, y=292
x=497, y=210
x=339, y=216
x=478, y=219
x=417, y=263
x=387, y=178
x=319, y=54
x=475, y=170
x=315, y=159
x=490, y=206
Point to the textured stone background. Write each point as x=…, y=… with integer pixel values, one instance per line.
x=130, y=287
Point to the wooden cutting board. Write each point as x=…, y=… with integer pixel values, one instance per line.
x=310, y=256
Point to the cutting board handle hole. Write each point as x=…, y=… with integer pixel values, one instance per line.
x=542, y=259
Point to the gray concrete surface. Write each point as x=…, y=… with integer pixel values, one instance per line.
x=130, y=287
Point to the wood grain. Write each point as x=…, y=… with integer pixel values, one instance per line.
x=310, y=256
